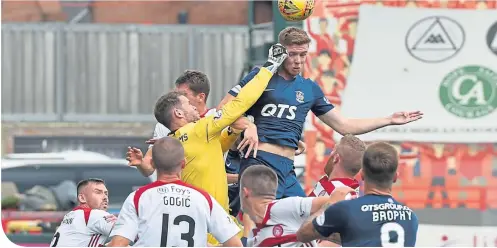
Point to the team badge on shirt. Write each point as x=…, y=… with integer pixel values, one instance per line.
x=299, y=95
x=277, y=231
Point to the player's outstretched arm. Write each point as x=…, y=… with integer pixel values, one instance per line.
x=312, y=228
x=342, y=125
x=321, y=225
x=247, y=96
x=241, y=123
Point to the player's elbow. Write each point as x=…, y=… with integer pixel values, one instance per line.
x=342, y=126
x=303, y=235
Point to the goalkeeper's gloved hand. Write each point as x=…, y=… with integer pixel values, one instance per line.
x=276, y=57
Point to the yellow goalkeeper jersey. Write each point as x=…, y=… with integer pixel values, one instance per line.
x=206, y=140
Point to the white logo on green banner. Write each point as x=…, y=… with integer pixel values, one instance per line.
x=469, y=91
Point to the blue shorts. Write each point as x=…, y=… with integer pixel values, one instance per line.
x=288, y=184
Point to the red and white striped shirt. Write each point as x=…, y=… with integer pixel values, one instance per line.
x=326, y=186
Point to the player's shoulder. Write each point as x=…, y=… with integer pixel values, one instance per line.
x=283, y=204
x=159, y=126
x=194, y=189
x=308, y=83
x=81, y=212
x=185, y=129
x=306, y=80
x=98, y=214
x=176, y=187
x=211, y=112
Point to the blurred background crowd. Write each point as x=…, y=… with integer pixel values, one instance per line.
x=80, y=78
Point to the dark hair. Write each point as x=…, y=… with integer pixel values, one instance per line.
x=379, y=164
x=260, y=179
x=164, y=106
x=85, y=182
x=196, y=81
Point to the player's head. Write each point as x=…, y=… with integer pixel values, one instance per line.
x=297, y=43
x=379, y=166
x=168, y=156
x=195, y=85
x=93, y=193
x=257, y=182
x=175, y=110
x=347, y=156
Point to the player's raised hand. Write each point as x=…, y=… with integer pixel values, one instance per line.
x=134, y=156
x=250, y=139
x=401, y=118
x=276, y=57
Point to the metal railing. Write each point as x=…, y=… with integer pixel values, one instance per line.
x=61, y=72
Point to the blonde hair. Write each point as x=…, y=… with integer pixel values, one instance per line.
x=351, y=150
x=293, y=36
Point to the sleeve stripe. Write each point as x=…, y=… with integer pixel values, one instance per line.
x=236, y=89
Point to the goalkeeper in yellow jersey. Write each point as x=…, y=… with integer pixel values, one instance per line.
x=206, y=139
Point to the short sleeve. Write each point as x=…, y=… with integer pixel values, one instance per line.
x=321, y=104
x=160, y=131
x=101, y=222
x=221, y=225
x=332, y=220
x=292, y=210
x=235, y=90
x=127, y=223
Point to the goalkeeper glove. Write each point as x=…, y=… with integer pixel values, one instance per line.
x=276, y=57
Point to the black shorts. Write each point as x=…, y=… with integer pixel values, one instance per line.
x=234, y=198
